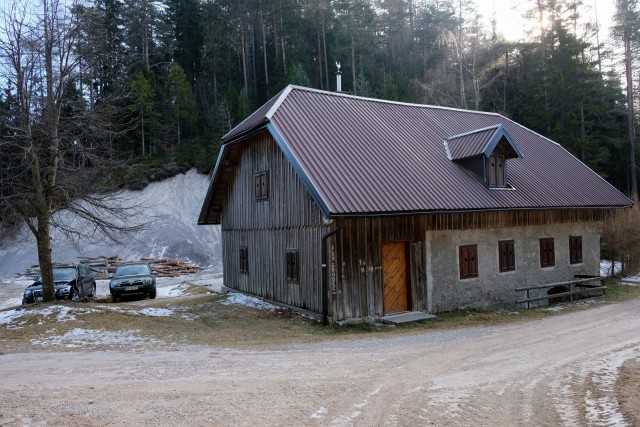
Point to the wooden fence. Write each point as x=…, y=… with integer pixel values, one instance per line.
x=582, y=282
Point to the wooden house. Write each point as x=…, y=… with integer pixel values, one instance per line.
x=354, y=208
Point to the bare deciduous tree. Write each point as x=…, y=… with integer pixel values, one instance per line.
x=53, y=141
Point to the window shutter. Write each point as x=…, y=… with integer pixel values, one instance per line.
x=500, y=171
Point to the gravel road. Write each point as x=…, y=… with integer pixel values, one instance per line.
x=558, y=371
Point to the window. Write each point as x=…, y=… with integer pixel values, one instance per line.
x=495, y=170
x=261, y=183
x=244, y=260
x=506, y=253
x=547, y=254
x=468, y=261
x=293, y=266
x=575, y=249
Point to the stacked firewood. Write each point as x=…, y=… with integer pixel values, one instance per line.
x=103, y=266
x=170, y=267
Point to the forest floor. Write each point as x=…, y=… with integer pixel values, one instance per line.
x=197, y=357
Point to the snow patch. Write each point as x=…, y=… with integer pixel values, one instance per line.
x=63, y=313
x=605, y=267
x=79, y=337
x=156, y=312
x=10, y=316
x=235, y=298
x=172, y=291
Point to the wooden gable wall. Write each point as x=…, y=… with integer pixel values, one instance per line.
x=289, y=219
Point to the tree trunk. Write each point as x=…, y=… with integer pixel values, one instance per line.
x=43, y=241
x=324, y=46
x=264, y=51
x=142, y=127
x=353, y=63
x=318, y=39
x=630, y=116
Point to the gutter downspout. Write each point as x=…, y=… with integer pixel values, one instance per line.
x=325, y=276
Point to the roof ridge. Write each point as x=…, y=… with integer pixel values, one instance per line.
x=471, y=132
x=386, y=101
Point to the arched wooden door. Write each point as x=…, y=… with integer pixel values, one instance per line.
x=395, y=277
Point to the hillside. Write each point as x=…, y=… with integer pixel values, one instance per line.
x=171, y=207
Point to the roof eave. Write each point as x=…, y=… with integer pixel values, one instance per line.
x=457, y=211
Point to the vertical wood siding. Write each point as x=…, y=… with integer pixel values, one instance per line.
x=288, y=219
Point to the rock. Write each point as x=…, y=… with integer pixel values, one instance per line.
x=166, y=171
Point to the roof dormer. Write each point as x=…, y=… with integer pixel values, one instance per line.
x=484, y=152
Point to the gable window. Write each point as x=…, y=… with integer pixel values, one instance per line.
x=495, y=170
x=244, y=260
x=468, y=261
x=261, y=185
x=293, y=266
x=575, y=249
x=507, y=258
x=547, y=253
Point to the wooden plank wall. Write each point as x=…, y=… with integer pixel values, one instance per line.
x=289, y=219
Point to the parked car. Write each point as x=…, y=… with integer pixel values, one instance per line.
x=71, y=282
x=133, y=278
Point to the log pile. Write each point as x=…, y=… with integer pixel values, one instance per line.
x=170, y=267
x=103, y=266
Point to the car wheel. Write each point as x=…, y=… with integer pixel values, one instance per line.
x=114, y=298
x=152, y=294
x=93, y=290
x=24, y=301
x=74, y=295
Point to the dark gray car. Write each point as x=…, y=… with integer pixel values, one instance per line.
x=72, y=282
x=133, y=278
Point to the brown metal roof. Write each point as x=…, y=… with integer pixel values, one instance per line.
x=479, y=142
x=361, y=156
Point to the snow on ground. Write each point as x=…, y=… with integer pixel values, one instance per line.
x=171, y=208
x=235, y=298
x=605, y=267
x=62, y=313
x=79, y=337
x=172, y=291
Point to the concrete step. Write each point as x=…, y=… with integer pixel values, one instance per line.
x=405, y=317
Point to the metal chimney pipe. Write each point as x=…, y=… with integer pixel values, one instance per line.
x=338, y=78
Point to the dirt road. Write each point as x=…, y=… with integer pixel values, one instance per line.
x=556, y=371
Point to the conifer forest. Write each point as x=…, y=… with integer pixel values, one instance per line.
x=98, y=93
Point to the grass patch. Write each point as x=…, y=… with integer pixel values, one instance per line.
x=619, y=292
x=200, y=318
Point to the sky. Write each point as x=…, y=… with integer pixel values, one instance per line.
x=511, y=24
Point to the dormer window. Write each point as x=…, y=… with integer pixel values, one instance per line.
x=484, y=153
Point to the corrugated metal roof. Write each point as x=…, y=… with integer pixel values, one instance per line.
x=479, y=142
x=469, y=144
x=369, y=157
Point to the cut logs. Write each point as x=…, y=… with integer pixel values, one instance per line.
x=103, y=266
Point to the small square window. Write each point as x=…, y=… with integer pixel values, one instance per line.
x=468, y=261
x=506, y=253
x=261, y=185
x=547, y=253
x=575, y=249
x=244, y=260
x=293, y=266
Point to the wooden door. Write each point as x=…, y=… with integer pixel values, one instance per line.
x=395, y=277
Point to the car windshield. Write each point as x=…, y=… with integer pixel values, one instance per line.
x=64, y=274
x=132, y=270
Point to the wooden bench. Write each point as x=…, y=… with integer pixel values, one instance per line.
x=582, y=281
